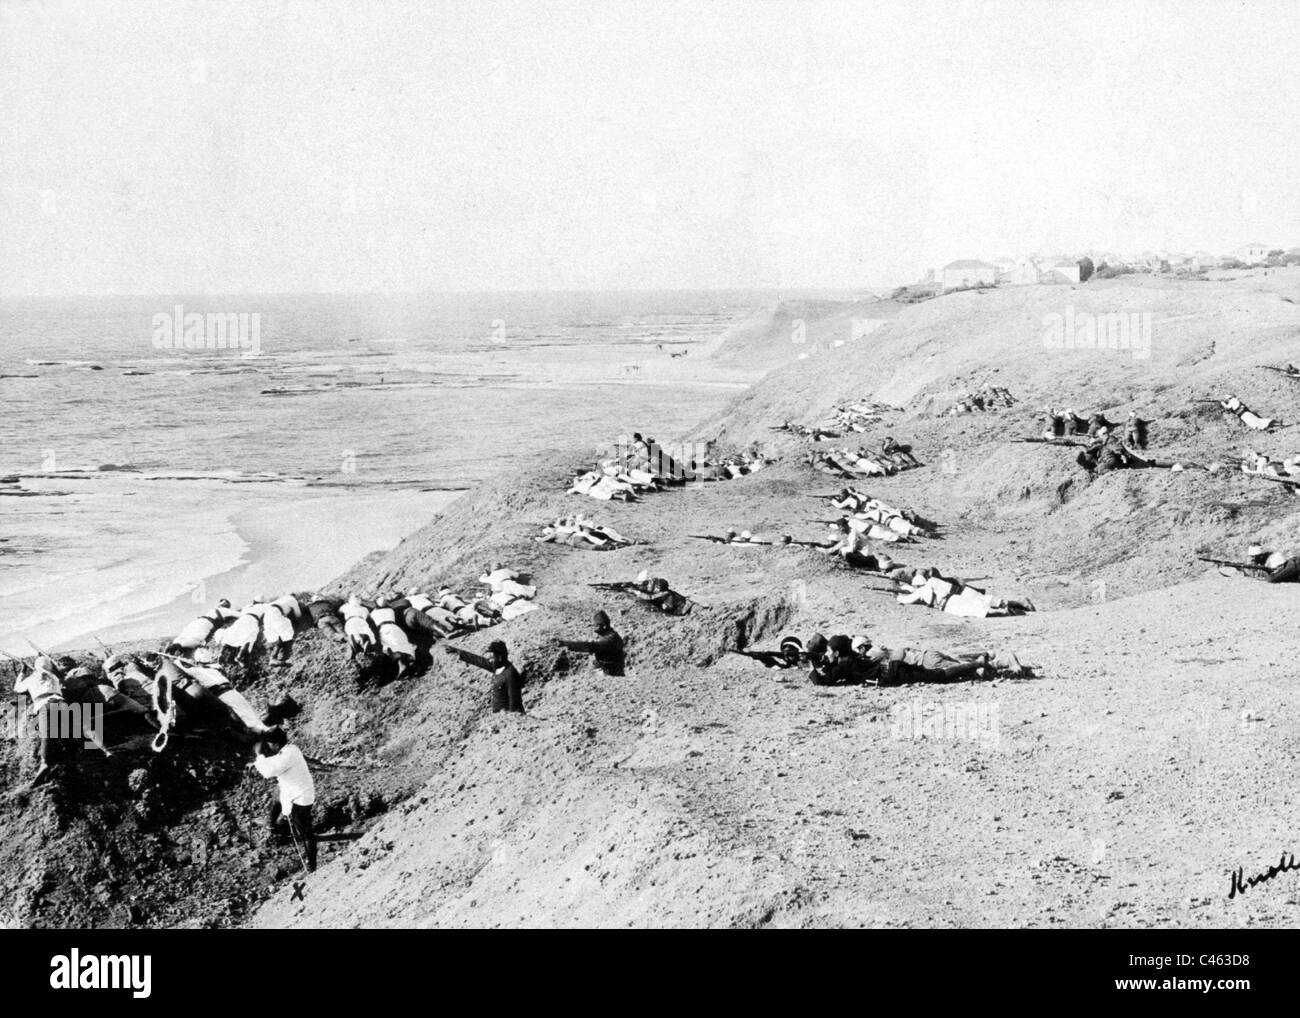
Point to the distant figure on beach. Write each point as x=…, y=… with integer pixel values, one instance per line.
x=507, y=683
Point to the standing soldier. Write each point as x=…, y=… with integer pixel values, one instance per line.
x=507, y=684
x=278, y=758
x=606, y=649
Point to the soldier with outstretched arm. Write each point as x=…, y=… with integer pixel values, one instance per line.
x=507, y=684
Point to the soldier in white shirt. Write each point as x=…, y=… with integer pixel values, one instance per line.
x=277, y=758
x=44, y=686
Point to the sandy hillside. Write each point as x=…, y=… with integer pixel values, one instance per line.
x=1119, y=787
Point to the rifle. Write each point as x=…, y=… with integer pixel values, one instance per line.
x=1052, y=441
x=767, y=658
x=615, y=585
x=37, y=649
x=1216, y=402
x=1235, y=565
x=1280, y=371
x=1294, y=482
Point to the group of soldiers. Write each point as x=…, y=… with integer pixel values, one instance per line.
x=892, y=457
x=986, y=397
x=854, y=661
x=397, y=626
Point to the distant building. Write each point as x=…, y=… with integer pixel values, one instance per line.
x=967, y=272
x=1061, y=271
x=1252, y=254
x=1025, y=272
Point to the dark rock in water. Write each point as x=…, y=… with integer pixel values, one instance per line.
x=119, y=468
x=10, y=479
x=96, y=367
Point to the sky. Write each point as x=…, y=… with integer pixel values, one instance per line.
x=229, y=147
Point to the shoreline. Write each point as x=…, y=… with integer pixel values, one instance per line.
x=267, y=564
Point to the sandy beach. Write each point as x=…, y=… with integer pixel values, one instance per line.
x=213, y=540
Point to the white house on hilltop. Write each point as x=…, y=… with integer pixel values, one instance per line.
x=967, y=272
x=1062, y=270
x=1030, y=271
x=1252, y=254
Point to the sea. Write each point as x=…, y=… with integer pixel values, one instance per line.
x=159, y=452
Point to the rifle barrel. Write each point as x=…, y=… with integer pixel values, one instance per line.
x=1235, y=565
x=1270, y=477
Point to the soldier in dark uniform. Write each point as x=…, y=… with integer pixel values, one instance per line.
x=507, y=683
x=606, y=649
